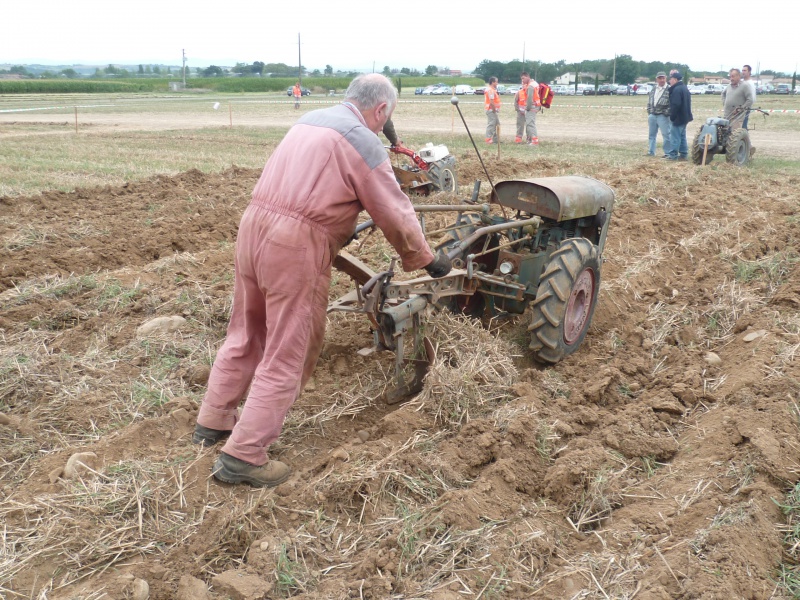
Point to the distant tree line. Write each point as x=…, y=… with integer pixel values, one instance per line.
x=626, y=70
x=623, y=69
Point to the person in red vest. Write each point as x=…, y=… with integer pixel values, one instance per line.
x=491, y=102
x=297, y=92
x=527, y=104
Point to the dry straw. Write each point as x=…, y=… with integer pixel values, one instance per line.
x=473, y=372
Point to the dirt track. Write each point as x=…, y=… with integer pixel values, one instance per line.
x=642, y=466
x=571, y=122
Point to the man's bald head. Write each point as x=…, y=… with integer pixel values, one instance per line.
x=367, y=91
x=375, y=97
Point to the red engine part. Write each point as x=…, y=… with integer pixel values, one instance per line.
x=412, y=155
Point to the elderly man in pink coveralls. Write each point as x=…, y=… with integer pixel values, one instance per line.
x=329, y=167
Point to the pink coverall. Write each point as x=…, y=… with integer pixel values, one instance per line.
x=305, y=207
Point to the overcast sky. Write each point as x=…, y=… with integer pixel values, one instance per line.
x=412, y=33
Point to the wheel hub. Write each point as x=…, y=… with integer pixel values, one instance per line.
x=578, y=306
x=741, y=153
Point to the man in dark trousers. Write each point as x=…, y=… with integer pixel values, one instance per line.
x=680, y=115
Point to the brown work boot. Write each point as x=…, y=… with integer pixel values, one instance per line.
x=207, y=436
x=230, y=469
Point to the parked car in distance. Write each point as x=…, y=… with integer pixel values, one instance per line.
x=478, y=91
x=589, y=91
x=303, y=91
x=643, y=89
x=501, y=89
x=512, y=89
x=428, y=90
x=418, y=91
x=714, y=88
x=696, y=89
x=464, y=89
x=621, y=90
x=783, y=88
x=442, y=90
x=604, y=90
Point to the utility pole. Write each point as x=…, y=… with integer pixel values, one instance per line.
x=184, y=67
x=614, y=76
x=299, y=62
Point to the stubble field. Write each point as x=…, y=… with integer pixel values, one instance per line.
x=659, y=461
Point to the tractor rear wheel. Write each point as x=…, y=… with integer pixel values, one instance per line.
x=697, y=150
x=565, y=300
x=737, y=150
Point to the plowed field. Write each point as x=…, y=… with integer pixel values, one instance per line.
x=653, y=463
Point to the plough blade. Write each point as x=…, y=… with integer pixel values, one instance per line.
x=421, y=366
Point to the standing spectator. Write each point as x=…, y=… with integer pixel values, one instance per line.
x=527, y=104
x=301, y=214
x=297, y=92
x=658, y=114
x=680, y=115
x=491, y=102
x=747, y=72
x=736, y=97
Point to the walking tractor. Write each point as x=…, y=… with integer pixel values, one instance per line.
x=433, y=170
x=724, y=136
x=537, y=242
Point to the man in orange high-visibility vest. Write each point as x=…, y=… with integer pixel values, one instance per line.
x=527, y=104
x=297, y=93
x=491, y=102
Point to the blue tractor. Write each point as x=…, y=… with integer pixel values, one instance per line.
x=724, y=136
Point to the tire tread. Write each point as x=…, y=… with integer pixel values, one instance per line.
x=555, y=286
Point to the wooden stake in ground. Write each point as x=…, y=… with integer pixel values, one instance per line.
x=76, y=119
x=498, y=139
x=705, y=147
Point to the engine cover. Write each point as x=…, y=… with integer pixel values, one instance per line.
x=556, y=198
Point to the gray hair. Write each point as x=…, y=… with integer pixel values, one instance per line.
x=368, y=91
x=735, y=69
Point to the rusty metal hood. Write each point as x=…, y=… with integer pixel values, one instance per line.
x=556, y=198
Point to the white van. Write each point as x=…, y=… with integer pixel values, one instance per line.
x=464, y=89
